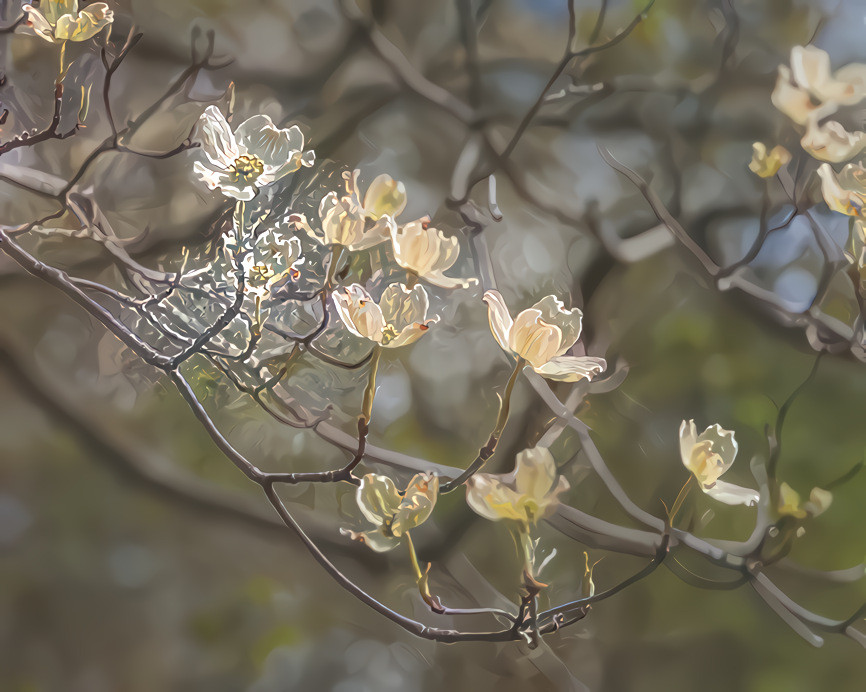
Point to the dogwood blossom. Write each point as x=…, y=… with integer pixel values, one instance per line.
x=832, y=142
x=393, y=513
x=526, y=495
x=541, y=335
x=398, y=319
x=427, y=251
x=708, y=456
x=254, y=156
x=273, y=259
x=844, y=191
x=353, y=222
x=809, y=91
x=57, y=21
x=767, y=163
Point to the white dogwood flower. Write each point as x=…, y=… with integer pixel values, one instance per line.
x=708, y=456
x=428, y=252
x=832, y=142
x=398, y=319
x=273, y=259
x=526, y=495
x=809, y=91
x=353, y=222
x=393, y=513
x=60, y=20
x=845, y=191
x=541, y=335
x=255, y=155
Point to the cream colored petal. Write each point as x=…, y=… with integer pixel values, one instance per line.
x=218, y=142
x=488, y=497
x=534, y=473
x=411, y=333
x=501, y=323
x=571, y=368
x=840, y=197
x=377, y=498
x=853, y=76
x=339, y=225
x=359, y=312
x=831, y=142
x=402, y=307
x=385, y=196
x=794, y=101
x=437, y=278
x=264, y=140
x=379, y=232
x=723, y=442
x=39, y=23
x=533, y=339
x=299, y=221
x=55, y=9
x=553, y=312
x=819, y=501
x=549, y=503
x=418, y=502
x=375, y=540
x=810, y=67
x=86, y=24
x=688, y=439
x=731, y=494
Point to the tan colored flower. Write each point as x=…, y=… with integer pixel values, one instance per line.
x=427, y=251
x=255, y=155
x=832, y=142
x=398, y=319
x=541, y=335
x=767, y=163
x=354, y=223
x=393, y=513
x=844, y=192
x=789, y=502
x=526, y=495
x=708, y=456
x=60, y=20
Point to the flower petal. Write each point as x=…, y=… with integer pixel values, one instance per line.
x=384, y=196
x=39, y=23
x=534, y=339
x=218, y=143
x=377, y=498
x=571, y=368
x=359, y=312
x=375, y=540
x=688, y=439
x=500, y=321
x=488, y=497
x=722, y=443
x=402, y=307
x=273, y=146
x=86, y=24
x=534, y=472
x=731, y=494
x=553, y=312
x=418, y=502
x=831, y=142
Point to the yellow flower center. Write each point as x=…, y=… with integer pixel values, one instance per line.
x=246, y=169
x=389, y=333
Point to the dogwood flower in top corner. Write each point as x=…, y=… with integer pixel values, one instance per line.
x=427, y=252
x=541, y=335
x=526, y=495
x=393, y=513
x=57, y=21
x=353, y=222
x=708, y=456
x=253, y=156
x=398, y=319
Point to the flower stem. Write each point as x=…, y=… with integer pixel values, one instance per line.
x=337, y=252
x=62, y=70
x=490, y=446
x=370, y=391
x=681, y=497
x=413, y=557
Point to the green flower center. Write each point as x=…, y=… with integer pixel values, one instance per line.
x=246, y=169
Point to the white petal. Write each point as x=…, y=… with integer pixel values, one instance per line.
x=361, y=315
x=732, y=494
x=688, y=439
x=264, y=140
x=500, y=321
x=377, y=498
x=571, y=368
x=218, y=143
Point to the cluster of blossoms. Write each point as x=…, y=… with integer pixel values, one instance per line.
x=264, y=258
x=815, y=98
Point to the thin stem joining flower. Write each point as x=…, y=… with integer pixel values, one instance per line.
x=541, y=335
x=257, y=154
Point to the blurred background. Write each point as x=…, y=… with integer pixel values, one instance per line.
x=118, y=574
